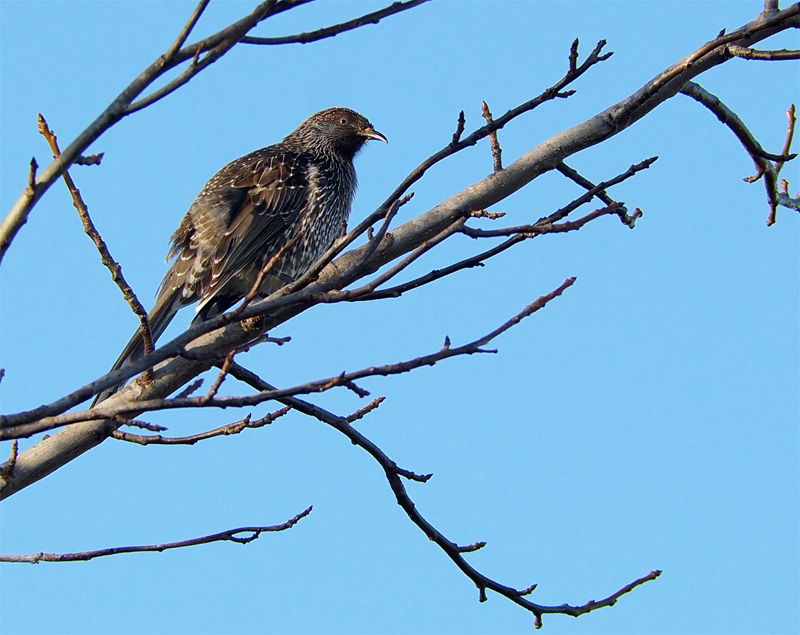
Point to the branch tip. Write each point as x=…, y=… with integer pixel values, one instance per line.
x=475, y=546
x=462, y=122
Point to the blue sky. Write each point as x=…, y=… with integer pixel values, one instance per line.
x=647, y=419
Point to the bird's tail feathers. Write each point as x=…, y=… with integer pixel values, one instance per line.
x=159, y=318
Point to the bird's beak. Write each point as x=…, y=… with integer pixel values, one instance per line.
x=371, y=133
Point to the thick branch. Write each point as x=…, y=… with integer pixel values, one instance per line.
x=202, y=53
x=63, y=447
x=116, y=408
x=116, y=111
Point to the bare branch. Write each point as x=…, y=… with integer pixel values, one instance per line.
x=761, y=158
x=54, y=452
x=186, y=30
x=105, y=256
x=135, y=423
x=752, y=54
x=553, y=92
x=669, y=83
x=212, y=391
x=497, y=152
x=108, y=409
x=226, y=430
x=394, y=474
x=436, y=274
x=7, y=469
x=331, y=31
x=216, y=46
x=366, y=291
x=231, y=535
x=363, y=412
x=787, y=145
x=459, y=129
x=92, y=159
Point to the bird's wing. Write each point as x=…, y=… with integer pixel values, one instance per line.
x=242, y=217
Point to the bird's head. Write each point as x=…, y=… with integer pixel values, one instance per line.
x=340, y=130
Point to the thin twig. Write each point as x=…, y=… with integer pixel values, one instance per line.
x=331, y=31
x=497, y=152
x=787, y=144
x=752, y=54
x=105, y=256
x=369, y=288
x=186, y=30
x=267, y=268
x=363, y=412
x=135, y=423
x=231, y=535
x=212, y=391
x=394, y=475
x=226, y=430
x=322, y=385
x=462, y=122
x=7, y=469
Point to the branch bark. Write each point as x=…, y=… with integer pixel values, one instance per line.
x=230, y=535
x=56, y=451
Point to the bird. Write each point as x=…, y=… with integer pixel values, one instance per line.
x=294, y=195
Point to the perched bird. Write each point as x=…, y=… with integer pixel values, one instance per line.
x=300, y=189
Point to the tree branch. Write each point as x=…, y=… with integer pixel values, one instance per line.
x=214, y=47
x=117, y=408
x=752, y=54
x=761, y=158
x=55, y=451
x=231, y=535
x=331, y=31
x=226, y=430
x=105, y=255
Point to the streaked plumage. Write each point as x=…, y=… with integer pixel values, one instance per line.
x=251, y=208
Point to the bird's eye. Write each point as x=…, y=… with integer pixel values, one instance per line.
x=343, y=121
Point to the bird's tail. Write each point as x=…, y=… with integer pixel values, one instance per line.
x=159, y=319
